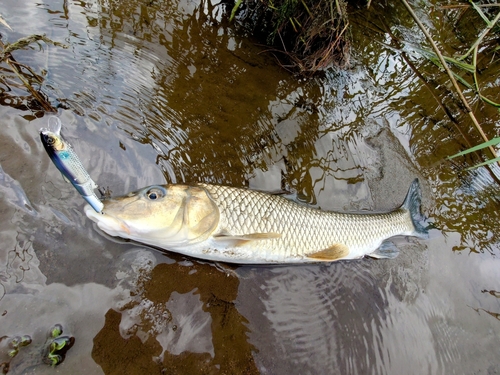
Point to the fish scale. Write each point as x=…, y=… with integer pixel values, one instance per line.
x=318, y=229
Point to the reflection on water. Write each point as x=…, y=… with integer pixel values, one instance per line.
x=495, y=314
x=20, y=264
x=169, y=91
x=181, y=319
x=338, y=317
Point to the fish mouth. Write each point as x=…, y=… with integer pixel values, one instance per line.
x=107, y=223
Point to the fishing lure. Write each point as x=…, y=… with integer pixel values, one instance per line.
x=66, y=160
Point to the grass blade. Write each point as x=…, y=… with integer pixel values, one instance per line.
x=483, y=16
x=235, y=8
x=2, y=21
x=487, y=162
x=491, y=142
x=434, y=58
x=491, y=102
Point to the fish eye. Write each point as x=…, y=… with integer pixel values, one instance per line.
x=155, y=193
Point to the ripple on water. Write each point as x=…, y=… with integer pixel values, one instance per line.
x=469, y=209
x=446, y=338
x=321, y=318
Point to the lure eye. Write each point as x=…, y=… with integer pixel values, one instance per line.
x=155, y=194
x=50, y=140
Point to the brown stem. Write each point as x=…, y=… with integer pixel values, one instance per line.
x=43, y=102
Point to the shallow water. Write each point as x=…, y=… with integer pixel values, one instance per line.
x=169, y=92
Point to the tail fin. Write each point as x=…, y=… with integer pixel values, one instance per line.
x=412, y=203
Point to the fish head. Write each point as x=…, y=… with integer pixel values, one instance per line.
x=159, y=215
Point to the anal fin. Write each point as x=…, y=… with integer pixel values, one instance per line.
x=386, y=251
x=332, y=253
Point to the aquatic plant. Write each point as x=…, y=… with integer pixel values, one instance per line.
x=306, y=36
x=493, y=142
x=24, y=73
x=455, y=78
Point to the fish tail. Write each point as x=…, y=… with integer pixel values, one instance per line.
x=412, y=204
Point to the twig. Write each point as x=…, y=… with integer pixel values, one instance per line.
x=467, y=6
x=450, y=75
x=34, y=75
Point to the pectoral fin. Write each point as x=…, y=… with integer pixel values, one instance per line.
x=243, y=239
x=332, y=253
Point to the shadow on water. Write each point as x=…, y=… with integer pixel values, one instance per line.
x=169, y=91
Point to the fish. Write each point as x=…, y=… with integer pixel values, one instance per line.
x=243, y=226
x=66, y=160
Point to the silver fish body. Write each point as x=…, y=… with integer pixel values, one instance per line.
x=66, y=160
x=243, y=226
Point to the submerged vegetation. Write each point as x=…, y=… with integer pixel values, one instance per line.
x=467, y=63
x=462, y=42
x=14, y=74
x=306, y=36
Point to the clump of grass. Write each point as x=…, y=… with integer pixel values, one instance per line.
x=13, y=71
x=306, y=35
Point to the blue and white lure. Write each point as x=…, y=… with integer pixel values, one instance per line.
x=66, y=160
